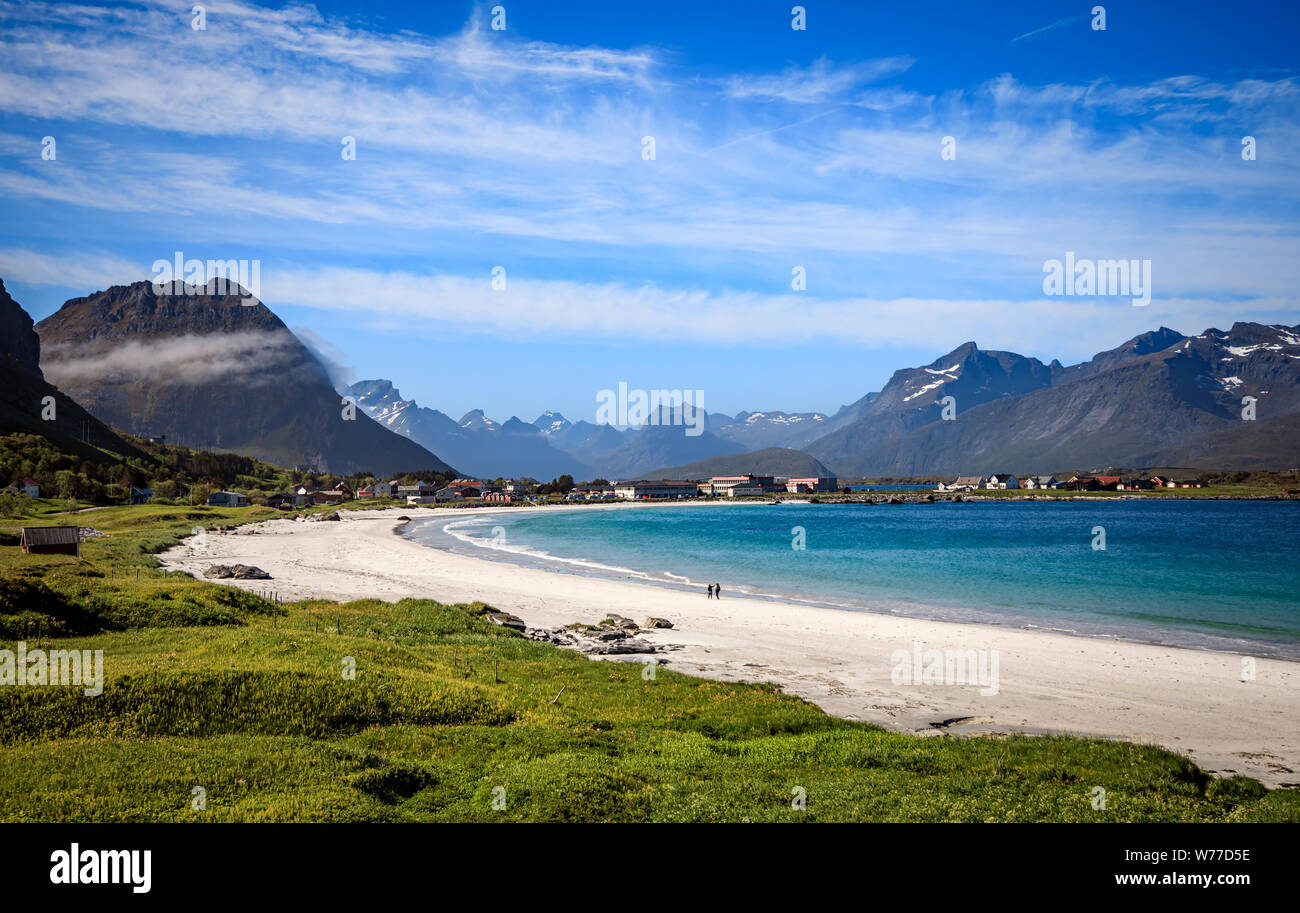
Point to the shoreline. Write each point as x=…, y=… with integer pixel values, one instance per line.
x=1190, y=701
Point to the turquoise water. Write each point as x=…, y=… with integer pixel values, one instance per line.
x=1215, y=574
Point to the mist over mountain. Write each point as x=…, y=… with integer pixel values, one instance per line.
x=207, y=371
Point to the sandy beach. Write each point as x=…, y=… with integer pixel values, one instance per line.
x=1190, y=701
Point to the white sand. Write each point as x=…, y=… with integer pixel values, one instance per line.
x=1191, y=701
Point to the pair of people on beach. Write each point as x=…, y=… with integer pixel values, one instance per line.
x=715, y=590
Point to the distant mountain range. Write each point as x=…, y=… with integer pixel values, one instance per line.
x=544, y=449
x=475, y=444
x=1160, y=399
x=206, y=371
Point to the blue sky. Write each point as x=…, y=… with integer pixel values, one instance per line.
x=774, y=148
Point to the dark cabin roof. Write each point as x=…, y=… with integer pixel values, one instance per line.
x=51, y=535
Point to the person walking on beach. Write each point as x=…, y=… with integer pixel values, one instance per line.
x=710, y=589
x=717, y=591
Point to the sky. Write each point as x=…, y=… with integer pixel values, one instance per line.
x=650, y=179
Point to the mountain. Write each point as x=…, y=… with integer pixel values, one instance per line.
x=475, y=420
x=207, y=371
x=612, y=454
x=587, y=442
x=755, y=430
x=476, y=444
x=1160, y=399
x=772, y=461
x=23, y=392
x=549, y=423
x=913, y=398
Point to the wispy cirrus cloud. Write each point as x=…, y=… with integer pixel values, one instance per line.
x=476, y=143
x=821, y=81
x=1058, y=24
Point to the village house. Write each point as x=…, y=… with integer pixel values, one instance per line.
x=30, y=488
x=344, y=489
x=1133, y=485
x=1083, y=483
x=416, y=490
x=1001, y=481
x=1041, y=482
x=376, y=490
x=445, y=494
x=962, y=483
x=141, y=495
x=51, y=540
x=810, y=485
x=281, y=500
x=462, y=484
x=227, y=499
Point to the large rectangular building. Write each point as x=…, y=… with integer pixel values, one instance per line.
x=721, y=485
x=643, y=489
x=809, y=485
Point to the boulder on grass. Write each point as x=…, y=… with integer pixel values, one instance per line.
x=236, y=571
x=506, y=620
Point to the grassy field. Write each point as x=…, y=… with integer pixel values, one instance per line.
x=218, y=698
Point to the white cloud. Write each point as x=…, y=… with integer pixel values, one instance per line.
x=820, y=81
x=481, y=140
x=253, y=356
x=431, y=305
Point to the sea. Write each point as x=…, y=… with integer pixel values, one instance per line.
x=1212, y=574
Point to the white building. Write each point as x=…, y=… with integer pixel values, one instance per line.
x=227, y=499
x=803, y=486
x=962, y=483
x=418, y=490
x=1001, y=481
